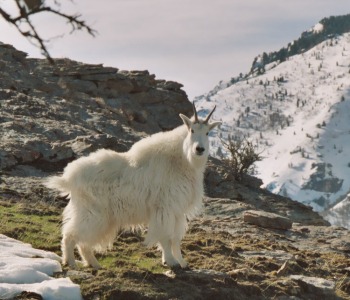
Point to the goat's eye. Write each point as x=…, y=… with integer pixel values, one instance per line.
x=192, y=130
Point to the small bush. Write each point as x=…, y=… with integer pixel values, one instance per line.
x=242, y=156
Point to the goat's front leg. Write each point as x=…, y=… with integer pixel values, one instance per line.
x=177, y=253
x=160, y=230
x=179, y=232
x=167, y=255
x=88, y=257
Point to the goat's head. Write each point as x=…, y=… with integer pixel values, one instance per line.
x=196, y=144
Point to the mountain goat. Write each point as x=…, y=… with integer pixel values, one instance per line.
x=158, y=182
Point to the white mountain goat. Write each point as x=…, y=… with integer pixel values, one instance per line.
x=158, y=182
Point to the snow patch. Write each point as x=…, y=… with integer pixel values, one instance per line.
x=318, y=28
x=23, y=268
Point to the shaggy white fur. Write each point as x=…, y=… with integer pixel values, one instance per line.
x=158, y=182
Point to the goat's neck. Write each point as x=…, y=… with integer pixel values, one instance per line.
x=197, y=164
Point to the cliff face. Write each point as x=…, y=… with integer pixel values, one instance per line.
x=248, y=243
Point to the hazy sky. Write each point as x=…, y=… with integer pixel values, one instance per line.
x=195, y=42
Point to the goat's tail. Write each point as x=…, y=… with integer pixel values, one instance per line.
x=58, y=183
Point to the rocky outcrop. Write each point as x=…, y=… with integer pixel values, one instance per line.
x=226, y=194
x=322, y=180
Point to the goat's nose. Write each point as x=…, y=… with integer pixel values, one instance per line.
x=199, y=150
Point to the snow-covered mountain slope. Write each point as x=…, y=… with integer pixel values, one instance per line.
x=298, y=113
x=339, y=213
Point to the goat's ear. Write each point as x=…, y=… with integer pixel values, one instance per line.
x=214, y=124
x=186, y=121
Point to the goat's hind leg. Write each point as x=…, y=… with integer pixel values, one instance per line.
x=69, y=237
x=68, y=245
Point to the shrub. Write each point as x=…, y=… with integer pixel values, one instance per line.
x=241, y=157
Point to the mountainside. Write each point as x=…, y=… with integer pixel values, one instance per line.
x=297, y=112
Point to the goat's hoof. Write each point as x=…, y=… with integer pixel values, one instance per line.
x=95, y=266
x=173, y=265
x=176, y=269
x=179, y=270
x=69, y=266
x=183, y=264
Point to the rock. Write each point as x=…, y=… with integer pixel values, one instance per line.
x=322, y=181
x=84, y=145
x=341, y=245
x=80, y=275
x=319, y=288
x=28, y=296
x=169, y=85
x=267, y=220
x=245, y=274
x=278, y=255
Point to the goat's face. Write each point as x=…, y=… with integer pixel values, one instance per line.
x=196, y=144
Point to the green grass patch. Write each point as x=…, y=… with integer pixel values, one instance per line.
x=37, y=224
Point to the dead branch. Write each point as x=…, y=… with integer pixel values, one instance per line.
x=29, y=8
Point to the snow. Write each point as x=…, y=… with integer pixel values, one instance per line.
x=339, y=214
x=317, y=28
x=23, y=268
x=298, y=115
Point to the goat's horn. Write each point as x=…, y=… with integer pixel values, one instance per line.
x=208, y=117
x=195, y=113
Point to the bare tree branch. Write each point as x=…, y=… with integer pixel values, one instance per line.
x=29, y=8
